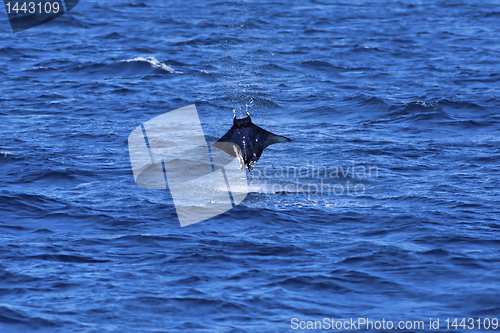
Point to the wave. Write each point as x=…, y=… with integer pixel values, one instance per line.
x=369, y=101
x=417, y=111
x=153, y=62
x=11, y=52
x=469, y=124
x=273, y=67
x=138, y=66
x=113, y=35
x=29, y=204
x=321, y=66
x=52, y=177
x=11, y=315
x=465, y=114
x=137, y=5
x=494, y=14
x=67, y=258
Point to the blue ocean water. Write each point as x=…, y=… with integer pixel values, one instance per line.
x=392, y=108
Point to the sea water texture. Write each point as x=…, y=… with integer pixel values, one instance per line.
x=406, y=89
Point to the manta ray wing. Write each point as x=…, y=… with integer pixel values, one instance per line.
x=263, y=139
x=230, y=143
x=269, y=138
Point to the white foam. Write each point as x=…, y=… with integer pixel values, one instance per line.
x=154, y=63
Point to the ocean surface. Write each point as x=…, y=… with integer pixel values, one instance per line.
x=392, y=205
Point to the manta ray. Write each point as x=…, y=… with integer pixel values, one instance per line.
x=246, y=141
